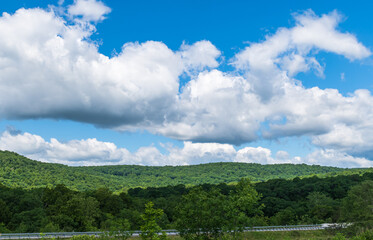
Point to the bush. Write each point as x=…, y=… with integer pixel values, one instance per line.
x=367, y=235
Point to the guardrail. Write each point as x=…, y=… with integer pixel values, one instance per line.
x=286, y=228
x=170, y=232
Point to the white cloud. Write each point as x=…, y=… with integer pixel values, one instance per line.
x=320, y=32
x=200, y=55
x=94, y=152
x=25, y=143
x=89, y=10
x=256, y=155
x=57, y=74
x=291, y=50
x=332, y=120
x=195, y=153
x=330, y=157
x=215, y=107
x=282, y=155
x=50, y=69
x=74, y=152
x=310, y=32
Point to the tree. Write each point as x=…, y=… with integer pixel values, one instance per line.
x=28, y=221
x=201, y=214
x=246, y=198
x=242, y=205
x=358, y=205
x=5, y=214
x=284, y=217
x=320, y=207
x=109, y=203
x=211, y=214
x=150, y=230
x=83, y=212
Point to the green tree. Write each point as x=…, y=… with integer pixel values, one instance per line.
x=245, y=199
x=211, y=214
x=201, y=214
x=28, y=221
x=241, y=207
x=320, y=207
x=3, y=229
x=284, y=217
x=109, y=203
x=150, y=230
x=83, y=212
x=358, y=205
x=4, y=212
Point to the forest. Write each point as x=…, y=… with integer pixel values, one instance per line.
x=198, y=211
x=210, y=207
x=18, y=171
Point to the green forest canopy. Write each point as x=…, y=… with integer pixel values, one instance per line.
x=275, y=202
x=19, y=171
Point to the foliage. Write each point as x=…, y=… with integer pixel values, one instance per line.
x=358, y=205
x=18, y=171
x=3, y=229
x=83, y=237
x=289, y=235
x=276, y=202
x=339, y=236
x=211, y=214
x=150, y=230
x=367, y=235
x=205, y=210
x=201, y=214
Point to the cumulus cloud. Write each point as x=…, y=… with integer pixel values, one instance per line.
x=310, y=32
x=291, y=50
x=88, y=152
x=320, y=32
x=331, y=157
x=25, y=143
x=89, y=10
x=49, y=68
x=94, y=152
x=215, y=107
x=199, y=55
x=195, y=153
x=332, y=120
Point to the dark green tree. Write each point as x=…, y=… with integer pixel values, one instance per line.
x=83, y=211
x=5, y=214
x=357, y=207
x=211, y=214
x=320, y=207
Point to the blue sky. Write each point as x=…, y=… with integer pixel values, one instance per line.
x=91, y=82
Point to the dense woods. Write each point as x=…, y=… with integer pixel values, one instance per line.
x=221, y=206
x=198, y=211
x=18, y=171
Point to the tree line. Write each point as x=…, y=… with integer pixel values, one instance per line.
x=18, y=171
x=203, y=211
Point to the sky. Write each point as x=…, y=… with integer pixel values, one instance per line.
x=89, y=82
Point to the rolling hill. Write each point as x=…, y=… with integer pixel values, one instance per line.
x=19, y=171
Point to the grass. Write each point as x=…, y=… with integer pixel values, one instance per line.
x=285, y=235
x=289, y=235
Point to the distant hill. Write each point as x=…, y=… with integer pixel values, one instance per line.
x=19, y=171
